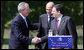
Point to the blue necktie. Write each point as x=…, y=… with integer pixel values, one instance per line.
x=26, y=21
x=49, y=23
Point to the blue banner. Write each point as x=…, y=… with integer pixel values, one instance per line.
x=60, y=42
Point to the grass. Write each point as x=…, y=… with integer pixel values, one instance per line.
x=32, y=46
x=33, y=34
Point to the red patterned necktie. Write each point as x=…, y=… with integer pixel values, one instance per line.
x=57, y=30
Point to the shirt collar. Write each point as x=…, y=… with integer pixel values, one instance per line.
x=49, y=15
x=22, y=16
x=59, y=18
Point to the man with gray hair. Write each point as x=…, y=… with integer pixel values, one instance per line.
x=20, y=26
x=44, y=26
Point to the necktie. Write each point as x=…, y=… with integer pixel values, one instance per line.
x=26, y=21
x=49, y=22
x=57, y=24
x=49, y=19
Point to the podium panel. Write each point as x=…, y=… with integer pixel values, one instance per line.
x=60, y=41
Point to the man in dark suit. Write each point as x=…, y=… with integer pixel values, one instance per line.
x=44, y=21
x=63, y=25
x=20, y=26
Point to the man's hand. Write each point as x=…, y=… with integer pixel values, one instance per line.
x=36, y=40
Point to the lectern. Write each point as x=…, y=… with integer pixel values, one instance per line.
x=59, y=41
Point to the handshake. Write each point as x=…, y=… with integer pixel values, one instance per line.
x=36, y=40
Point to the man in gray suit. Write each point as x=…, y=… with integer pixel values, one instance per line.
x=63, y=25
x=44, y=26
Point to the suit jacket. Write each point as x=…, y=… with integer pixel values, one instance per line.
x=66, y=27
x=19, y=36
x=43, y=30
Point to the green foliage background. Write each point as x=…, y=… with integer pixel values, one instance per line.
x=73, y=9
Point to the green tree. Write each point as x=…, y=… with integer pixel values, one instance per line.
x=2, y=20
x=73, y=8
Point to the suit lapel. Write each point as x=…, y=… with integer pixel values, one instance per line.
x=55, y=25
x=22, y=20
x=46, y=20
x=61, y=23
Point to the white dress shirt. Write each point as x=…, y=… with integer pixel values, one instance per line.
x=59, y=18
x=49, y=17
